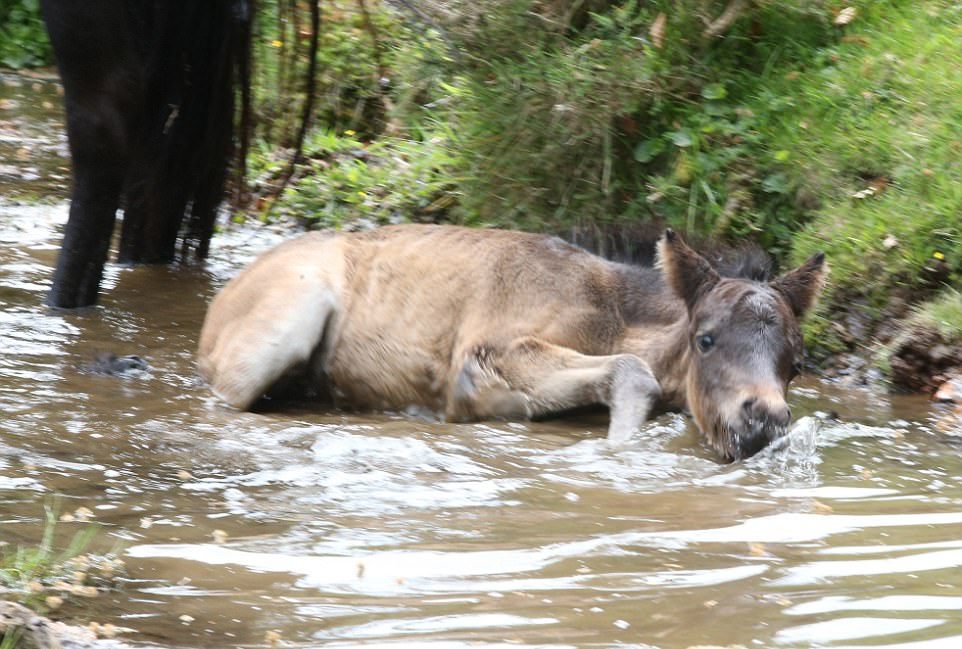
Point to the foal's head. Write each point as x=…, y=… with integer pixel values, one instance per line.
x=745, y=345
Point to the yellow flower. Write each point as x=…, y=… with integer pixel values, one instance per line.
x=277, y=43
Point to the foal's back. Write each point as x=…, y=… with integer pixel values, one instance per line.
x=417, y=300
x=424, y=280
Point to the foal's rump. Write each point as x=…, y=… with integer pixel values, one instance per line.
x=271, y=318
x=391, y=315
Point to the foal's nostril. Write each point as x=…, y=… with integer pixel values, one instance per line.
x=783, y=417
x=766, y=413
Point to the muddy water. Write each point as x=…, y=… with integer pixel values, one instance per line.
x=381, y=530
x=34, y=156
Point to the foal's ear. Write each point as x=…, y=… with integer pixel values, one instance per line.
x=688, y=274
x=802, y=285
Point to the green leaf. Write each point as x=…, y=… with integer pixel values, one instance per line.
x=775, y=184
x=714, y=91
x=681, y=138
x=649, y=150
x=715, y=109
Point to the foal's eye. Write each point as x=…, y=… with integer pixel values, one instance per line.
x=705, y=342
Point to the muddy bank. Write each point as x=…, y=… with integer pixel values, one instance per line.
x=923, y=360
x=898, y=350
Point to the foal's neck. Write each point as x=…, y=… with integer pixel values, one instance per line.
x=656, y=329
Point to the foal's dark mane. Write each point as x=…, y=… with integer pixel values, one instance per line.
x=636, y=245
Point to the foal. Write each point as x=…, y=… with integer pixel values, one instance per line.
x=479, y=324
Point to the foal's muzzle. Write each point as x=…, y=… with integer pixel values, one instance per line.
x=761, y=424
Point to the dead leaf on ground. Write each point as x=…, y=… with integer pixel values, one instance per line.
x=879, y=183
x=845, y=16
x=855, y=39
x=657, y=31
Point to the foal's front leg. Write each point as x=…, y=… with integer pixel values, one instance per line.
x=534, y=378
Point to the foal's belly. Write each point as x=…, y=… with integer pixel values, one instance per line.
x=371, y=370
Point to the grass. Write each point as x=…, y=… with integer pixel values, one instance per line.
x=11, y=638
x=875, y=130
x=943, y=314
x=42, y=576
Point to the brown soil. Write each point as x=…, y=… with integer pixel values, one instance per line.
x=922, y=360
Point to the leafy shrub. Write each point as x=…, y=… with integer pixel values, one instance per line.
x=23, y=39
x=605, y=111
x=392, y=181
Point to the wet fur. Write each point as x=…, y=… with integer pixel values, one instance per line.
x=474, y=324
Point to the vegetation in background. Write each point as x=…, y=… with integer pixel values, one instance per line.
x=23, y=40
x=571, y=113
x=627, y=111
x=882, y=151
x=369, y=159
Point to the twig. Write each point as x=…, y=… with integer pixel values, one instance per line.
x=308, y=99
x=727, y=18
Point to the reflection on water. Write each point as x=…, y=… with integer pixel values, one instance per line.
x=34, y=156
x=385, y=530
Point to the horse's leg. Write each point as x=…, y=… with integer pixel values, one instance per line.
x=250, y=341
x=533, y=378
x=93, y=205
x=100, y=94
x=186, y=134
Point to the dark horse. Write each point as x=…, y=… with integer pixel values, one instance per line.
x=149, y=89
x=477, y=324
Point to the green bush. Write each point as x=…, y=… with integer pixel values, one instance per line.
x=566, y=115
x=375, y=154
x=23, y=39
x=394, y=180
x=881, y=151
x=572, y=112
